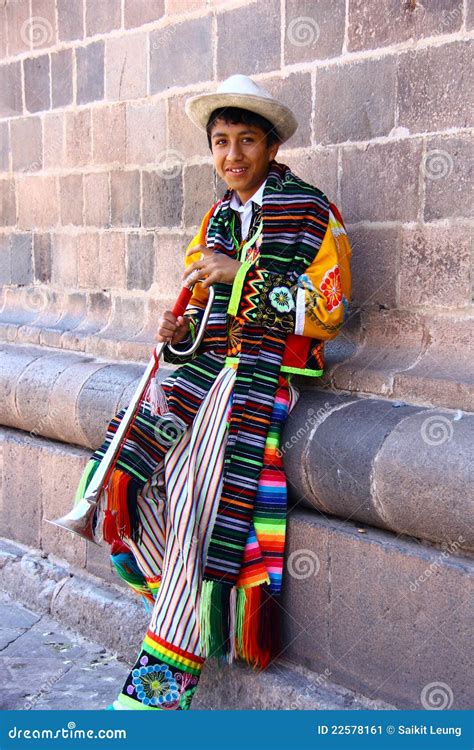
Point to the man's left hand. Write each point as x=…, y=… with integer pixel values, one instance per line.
x=213, y=266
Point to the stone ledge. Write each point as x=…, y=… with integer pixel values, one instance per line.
x=115, y=618
x=349, y=457
x=418, y=356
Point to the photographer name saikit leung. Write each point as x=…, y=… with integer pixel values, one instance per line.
x=428, y=729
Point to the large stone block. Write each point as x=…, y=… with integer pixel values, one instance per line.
x=138, y=12
x=5, y=147
x=61, y=78
x=65, y=262
x=140, y=261
x=61, y=470
x=87, y=260
x=90, y=72
x=5, y=260
x=435, y=267
x=444, y=374
x=163, y=197
x=70, y=198
x=102, y=17
x=15, y=359
x=53, y=141
x=42, y=257
x=70, y=20
x=26, y=144
x=390, y=342
x=448, y=172
x=17, y=27
x=38, y=205
x=21, y=258
x=380, y=182
x=78, y=138
x=96, y=199
x=7, y=203
x=179, y=54
x=126, y=67
x=184, y=137
x=42, y=28
x=420, y=72
x=10, y=90
x=295, y=91
x=3, y=33
x=198, y=193
x=373, y=25
x=423, y=475
x=125, y=198
x=99, y=399
x=386, y=615
x=37, y=75
x=169, y=266
x=33, y=391
x=112, y=260
x=313, y=31
x=364, y=107
x=20, y=498
x=109, y=136
x=375, y=265
x=243, y=30
x=146, y=133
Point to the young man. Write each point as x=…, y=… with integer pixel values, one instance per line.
x=211, y=517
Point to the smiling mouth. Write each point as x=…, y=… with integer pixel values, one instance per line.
x=236, y=170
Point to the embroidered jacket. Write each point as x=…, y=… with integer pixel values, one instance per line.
x=317, y=304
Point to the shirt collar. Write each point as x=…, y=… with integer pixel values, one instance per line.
x=257, y=197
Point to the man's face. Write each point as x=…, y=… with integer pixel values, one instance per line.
x=241, y=156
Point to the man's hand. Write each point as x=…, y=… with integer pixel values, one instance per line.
x=172, y=329
x=213, y=266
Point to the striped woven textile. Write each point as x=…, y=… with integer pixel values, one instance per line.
x=295, y=218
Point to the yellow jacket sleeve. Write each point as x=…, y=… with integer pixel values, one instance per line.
x=324, y=290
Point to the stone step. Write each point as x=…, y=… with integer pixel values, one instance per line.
x=83, y=605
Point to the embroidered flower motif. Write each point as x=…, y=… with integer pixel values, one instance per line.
x=281, y=298
x=155, y=685
x=234, y=333
x=331, y=288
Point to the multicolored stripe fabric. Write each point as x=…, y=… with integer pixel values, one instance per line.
x=177, y=507
x=295, y=217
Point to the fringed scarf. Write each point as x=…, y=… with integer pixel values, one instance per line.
x=234, y=620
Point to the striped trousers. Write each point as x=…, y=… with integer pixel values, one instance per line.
x=177, y=508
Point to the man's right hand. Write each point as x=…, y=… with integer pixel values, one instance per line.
x=172, y=329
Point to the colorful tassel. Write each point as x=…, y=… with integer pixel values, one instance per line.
x=126, y=566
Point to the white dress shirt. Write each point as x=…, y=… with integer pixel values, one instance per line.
x=245, y=209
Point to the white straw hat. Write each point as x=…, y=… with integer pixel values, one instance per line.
x=240, y=91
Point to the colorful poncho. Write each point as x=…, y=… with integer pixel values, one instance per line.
x=295, y=219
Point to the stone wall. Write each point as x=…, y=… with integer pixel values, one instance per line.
x=103, y=178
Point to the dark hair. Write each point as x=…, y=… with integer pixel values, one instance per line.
x=237, y=116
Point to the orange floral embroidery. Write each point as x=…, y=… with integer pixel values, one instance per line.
x=331, y=288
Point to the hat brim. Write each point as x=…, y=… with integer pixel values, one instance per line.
x=199, y=108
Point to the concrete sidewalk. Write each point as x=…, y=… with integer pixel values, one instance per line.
x=48, y=666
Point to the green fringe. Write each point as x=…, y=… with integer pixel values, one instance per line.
x=90, y=469
x=239, y=618
x=211, y=618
